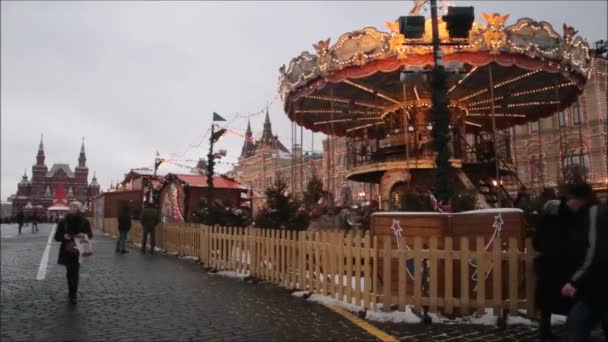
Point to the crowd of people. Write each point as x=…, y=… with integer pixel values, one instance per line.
x=149, y=218
x=571, y=239
x=32, y=220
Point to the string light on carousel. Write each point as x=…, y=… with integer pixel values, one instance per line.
x=354, y=89
x=376, y=89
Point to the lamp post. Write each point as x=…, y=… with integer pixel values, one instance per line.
x=440, y=115
x=210, y=166
x=210, y=156
x=459, y=21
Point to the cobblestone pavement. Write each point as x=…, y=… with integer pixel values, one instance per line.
x=159, y=298
x=137, y=297
x=459, y=332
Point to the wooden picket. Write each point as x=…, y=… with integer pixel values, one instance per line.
x=356, y=268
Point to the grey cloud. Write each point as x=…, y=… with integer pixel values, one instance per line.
x=136, y=77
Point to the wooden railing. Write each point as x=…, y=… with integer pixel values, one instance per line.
x=434, y=275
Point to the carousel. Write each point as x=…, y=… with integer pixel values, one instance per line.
x=374, y=88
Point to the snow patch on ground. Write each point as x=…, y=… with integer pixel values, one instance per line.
x=230, y=274
x=329, y=301
x=558, y=319
x=513, y=320
x=300, y=294
x=407, y=316
x=555, y=319
x=188, y=257
x=488, y=318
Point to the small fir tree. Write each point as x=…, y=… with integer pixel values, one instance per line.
x=313, y=193
x=282, y=210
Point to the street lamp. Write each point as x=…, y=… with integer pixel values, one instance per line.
x=459, y=22
x=215, y=136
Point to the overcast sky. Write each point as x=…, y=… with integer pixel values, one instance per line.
x=137, y=77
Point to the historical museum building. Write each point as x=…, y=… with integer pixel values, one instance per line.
x=38, y=193
x=263, y=160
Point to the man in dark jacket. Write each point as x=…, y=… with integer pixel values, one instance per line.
x=20, y=220
x=149, y=220
x=588, y=254
x=551, y=242
x=124, y=225
x=68, y=228
x=35, y=220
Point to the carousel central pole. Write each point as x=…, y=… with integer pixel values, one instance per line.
x=440, y=116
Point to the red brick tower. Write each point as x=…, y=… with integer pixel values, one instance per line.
x=80, y=187
x=39, y=171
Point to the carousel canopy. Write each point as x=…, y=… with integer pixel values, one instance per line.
x=354, y=86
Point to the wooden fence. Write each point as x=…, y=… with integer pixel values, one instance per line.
x=437, y=275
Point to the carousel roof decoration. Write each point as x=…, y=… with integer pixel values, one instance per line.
x=354, y=84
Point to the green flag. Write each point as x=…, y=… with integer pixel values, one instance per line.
x=217, y=117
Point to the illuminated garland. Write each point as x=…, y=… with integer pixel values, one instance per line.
x=176, y=212
x=235, y=117
x=604, y=141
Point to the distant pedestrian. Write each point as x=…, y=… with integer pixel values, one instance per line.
x=71, y=226
x=35, y=220
x=124, y=225
x=522, y=201
x=587, y=249
x=551, y=241
x=20, y=220
x=149, y=220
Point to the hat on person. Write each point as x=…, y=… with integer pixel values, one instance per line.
x=76, y=204
x=580, y=190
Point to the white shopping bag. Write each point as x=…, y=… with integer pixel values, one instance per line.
x=84, y=246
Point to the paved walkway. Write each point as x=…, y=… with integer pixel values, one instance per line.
x=137, y=297
x=159, y=298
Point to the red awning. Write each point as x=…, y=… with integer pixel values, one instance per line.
x=219, y=182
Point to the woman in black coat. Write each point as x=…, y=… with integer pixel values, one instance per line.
x=73, y=224
x=552, y=264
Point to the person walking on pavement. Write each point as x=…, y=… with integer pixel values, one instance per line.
x=550, y=241
x=124, y=225
x=149, y=220
x=587, y=249
x=35, y=220
x=20, y=220
x=72, y=225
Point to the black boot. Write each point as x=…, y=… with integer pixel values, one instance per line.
x=545, y=328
